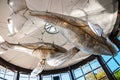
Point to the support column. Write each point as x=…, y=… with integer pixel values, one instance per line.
x=40, y=78
x=17, y=75
x=72, y=77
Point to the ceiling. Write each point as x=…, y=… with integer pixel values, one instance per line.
x=102, y=12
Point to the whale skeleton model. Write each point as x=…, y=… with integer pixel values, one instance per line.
x=87, y=39
x=53, y=54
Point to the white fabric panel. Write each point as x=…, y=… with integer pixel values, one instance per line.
x=17, y=5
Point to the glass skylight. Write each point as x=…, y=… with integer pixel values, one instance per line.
x=113, y=63
x=50, y=28
x=90, y=71
x=118, y=38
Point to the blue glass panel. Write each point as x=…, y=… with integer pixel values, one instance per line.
x=106, y=58
x=23, y=77
x=46, y=78
x=117, y=57
x=81, y=78
x=112, y=65
x=65, y=76
x=2, y=71
x=34, y=78
x=78, y=72
x=94, y=64
x=9, y=75
x=118, y=38
x=56, y=77
x=86, y=68
x=116, y=48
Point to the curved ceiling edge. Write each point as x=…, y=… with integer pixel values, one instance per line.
x=13, y=67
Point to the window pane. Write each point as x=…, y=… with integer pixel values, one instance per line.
x=112, y=65
x=90, y=76
x=34, y=78
x=23, y=77
x=99, y=73
x=50, y=28
x=116, y=48
x=65, y=76
x=81, y=78
x=94, y=64
x=78, y=72
x=117, y=75
x=46, y=78
x=2, y=70
x=106, y=58
x=117, y=57
x=9, y=75
x=118, y=38
x=86, y=68
x=56, y=78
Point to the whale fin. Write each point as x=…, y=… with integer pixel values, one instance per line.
x=96, y=29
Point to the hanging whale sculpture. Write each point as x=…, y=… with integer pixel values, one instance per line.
x=53, y=54
x=87, y=41
x=86, y=37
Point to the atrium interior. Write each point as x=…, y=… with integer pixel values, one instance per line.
x=40, y=40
